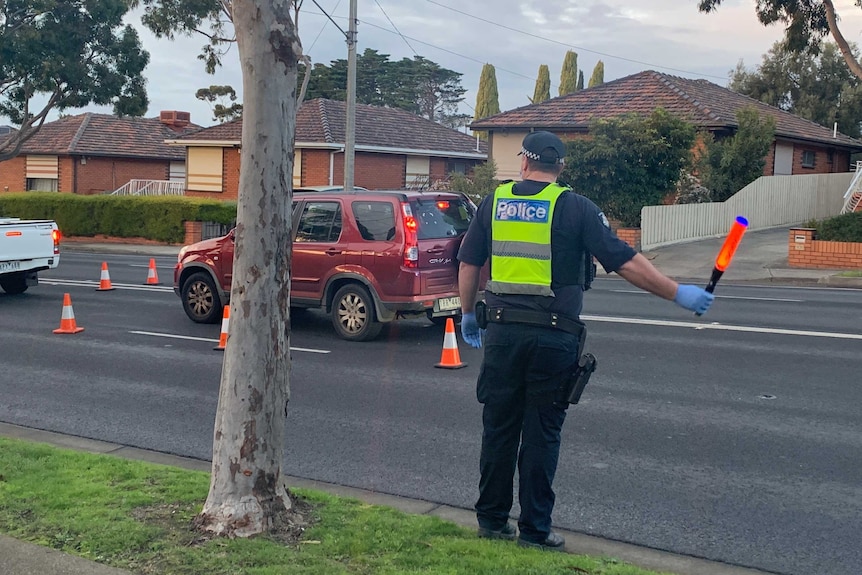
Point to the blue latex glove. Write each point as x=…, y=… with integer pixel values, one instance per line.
x=693, y=298
x=470, y=330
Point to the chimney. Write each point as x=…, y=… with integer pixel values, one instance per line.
x=174, y=119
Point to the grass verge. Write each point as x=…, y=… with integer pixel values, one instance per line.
x=138, y=516
x=851, y=274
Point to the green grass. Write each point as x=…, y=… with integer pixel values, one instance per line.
x=851, y=274
x=137, y=516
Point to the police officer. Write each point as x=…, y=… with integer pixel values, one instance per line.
x=536, y=233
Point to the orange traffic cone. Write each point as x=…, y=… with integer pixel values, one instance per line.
x=225, y=324
x=152, y=276
x=450, y=359
x=105, y=279
x=67, y=320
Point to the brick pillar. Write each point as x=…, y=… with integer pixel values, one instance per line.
x=194, y=232
x=800, y=247
x=631, y=236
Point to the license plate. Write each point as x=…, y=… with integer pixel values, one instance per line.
x=447, y=303
x=10, y=266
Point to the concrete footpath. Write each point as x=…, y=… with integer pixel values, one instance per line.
x=760, y=259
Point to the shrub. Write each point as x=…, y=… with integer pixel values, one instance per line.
x=629, y=162
x=480, y=185
x=732, y=163
x=843, y=228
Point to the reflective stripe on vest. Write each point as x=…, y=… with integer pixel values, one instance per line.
x=521, y=241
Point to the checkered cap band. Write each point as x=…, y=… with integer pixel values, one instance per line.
x=537, y=157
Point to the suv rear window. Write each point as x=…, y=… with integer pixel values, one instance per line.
x=441, y=217
x=375, y=220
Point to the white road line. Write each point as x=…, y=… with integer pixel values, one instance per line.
x=95, y=284
x=206, y=339
x=720, y=327
x=174, y=336
x=723, y=296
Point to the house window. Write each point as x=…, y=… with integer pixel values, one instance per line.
x=43, y=173
x=808, y=159
x=204, y=169
x=297, y=168
x=456, y=167
x=418, y=173
x=42, y=184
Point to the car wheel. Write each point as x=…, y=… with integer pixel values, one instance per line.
x=353, y=314
x=14, y=284
x=201, y=301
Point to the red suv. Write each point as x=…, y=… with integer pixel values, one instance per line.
x=366, y=257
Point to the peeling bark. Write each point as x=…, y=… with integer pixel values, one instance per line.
x=246, y=494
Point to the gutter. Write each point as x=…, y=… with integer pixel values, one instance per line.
x=339, y=148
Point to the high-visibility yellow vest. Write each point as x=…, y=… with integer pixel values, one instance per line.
x=521, y=241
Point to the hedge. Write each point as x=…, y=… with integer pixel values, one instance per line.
x=158, y=218
x=843, y=228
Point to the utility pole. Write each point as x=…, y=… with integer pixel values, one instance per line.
x=350, y=128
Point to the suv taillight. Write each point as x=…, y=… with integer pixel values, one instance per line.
x=411, y=243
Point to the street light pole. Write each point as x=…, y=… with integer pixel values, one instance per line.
x=350, y=127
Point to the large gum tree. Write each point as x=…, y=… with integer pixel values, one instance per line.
x=806, y=21
x=247, y=495
x=59, y=54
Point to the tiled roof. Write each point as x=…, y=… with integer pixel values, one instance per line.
x=92, y=134
x=323, y=121
x=700, y=102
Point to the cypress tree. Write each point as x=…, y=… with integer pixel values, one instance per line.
x=487, y=98
x=598, y=77
x=543, y=85
x=580, y=79
x=569, y=74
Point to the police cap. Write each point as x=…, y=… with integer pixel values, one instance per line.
x=543, y=147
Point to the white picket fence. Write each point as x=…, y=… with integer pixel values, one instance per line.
x=768, y=202
x=151, y=188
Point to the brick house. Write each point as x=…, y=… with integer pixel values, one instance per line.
x=800, y=146
x=96, y=153
x=394, y=149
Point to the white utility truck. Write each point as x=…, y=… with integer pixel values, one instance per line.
x=26, y=248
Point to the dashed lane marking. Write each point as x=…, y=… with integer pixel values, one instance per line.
x=208, y=340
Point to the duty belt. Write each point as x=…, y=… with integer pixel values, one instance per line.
x=530, y=317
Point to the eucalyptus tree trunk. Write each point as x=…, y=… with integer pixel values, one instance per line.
x=246, y=494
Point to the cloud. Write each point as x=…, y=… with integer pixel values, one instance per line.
x=516, y=36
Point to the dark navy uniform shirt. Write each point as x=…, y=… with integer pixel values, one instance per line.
x=578, y=225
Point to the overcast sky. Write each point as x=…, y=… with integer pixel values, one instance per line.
x=516, y=36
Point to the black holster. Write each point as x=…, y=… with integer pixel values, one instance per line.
x=481, y=314
x=573, y=387
x=579, y=379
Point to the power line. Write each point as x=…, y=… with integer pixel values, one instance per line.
x=416, y=40
x=530, y=34
x=450, y=51
x=395, y=27
x=322, y=28
x=329, y=17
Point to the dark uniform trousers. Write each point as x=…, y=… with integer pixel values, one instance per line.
x=522, y=371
